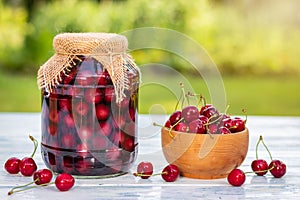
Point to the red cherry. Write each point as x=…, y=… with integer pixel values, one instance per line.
x=65, y=104
x=42, y=176
x=238, y=125
x=128, y=144
x=175, y=117
x=144, y=170
x=236, y=177
x=68, y=140
x=99, y=143
x=109, y=94
x=260, y=167
x=69, y=121
x=213, y=128
x=27, y=166
x=168, y=124
x=227, y=122
x=85, y=132
x=203, y=119
x=53, y=116
x=279, y=168
x=104, y=79
x=64, y=182
x=190, y=113
x=92, y=95
x=197, y=126
x=102, y=112
x=211, y=113
x=81, y=108
x=170, y=173
x=12, y=165
x=105, y=128
x=52, y=129
x=204, y=107
x=223, y=130
x=181, y=126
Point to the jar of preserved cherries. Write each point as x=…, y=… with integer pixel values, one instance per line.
x=89, y=105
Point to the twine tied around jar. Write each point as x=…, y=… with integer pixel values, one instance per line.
x=107, y=48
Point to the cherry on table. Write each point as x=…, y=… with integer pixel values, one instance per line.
x=64, y=182
x=170, y=173
x=27, y=166
x=260, y=167
x=144, y=170
x=236, y=177
x=12, y=165
x=42, y=176
x=277, y=168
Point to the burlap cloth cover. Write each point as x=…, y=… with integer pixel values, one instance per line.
x=107, y=48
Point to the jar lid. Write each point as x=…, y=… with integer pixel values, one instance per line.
x=107, y=48
x=89, y=43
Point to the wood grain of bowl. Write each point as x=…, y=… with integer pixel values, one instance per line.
x=205, y=156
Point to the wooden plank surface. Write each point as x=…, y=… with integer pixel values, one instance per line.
x=281, y=134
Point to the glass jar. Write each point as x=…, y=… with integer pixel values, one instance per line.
x=87, y=129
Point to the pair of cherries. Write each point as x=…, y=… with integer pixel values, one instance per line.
x=42, y=177
x=145, y=169
x=259, y=166
x=26, y=166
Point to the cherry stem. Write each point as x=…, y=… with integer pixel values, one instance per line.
x=24, y=187
x=28, y=188
x=203, y=100
x=35, y=142
x=183, y=94
x=261, y=171
x=256, y=148
x=245, y=112
x=178, y=101
x=156, y=124
x=261, y=139
x=173, y=127
x=141, y=174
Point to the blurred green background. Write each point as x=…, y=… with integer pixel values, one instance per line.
x=255, y=45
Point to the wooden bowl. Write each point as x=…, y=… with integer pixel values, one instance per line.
x=205, y=156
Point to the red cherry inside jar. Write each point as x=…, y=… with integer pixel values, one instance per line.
x=85, y=131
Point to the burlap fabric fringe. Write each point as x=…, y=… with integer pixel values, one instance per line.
x=107, y=48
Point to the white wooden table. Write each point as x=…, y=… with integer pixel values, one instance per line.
x=281, y=134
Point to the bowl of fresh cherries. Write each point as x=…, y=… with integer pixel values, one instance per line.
x=203, y=142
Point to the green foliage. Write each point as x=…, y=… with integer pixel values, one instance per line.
x=244, y=37
x=13, y=30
